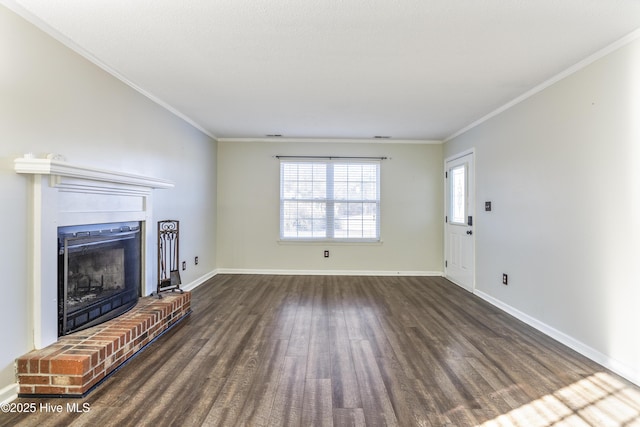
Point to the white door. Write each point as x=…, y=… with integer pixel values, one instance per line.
x=459, y=238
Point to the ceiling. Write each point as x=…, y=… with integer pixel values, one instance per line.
x=408, y=69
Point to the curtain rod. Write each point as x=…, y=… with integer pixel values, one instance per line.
x=331, y=157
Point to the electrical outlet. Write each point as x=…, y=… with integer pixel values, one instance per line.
x=505, y=279
x=195, y=261
x=326, y=254
x=184, y=265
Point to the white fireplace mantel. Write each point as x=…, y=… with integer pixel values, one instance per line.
x=63, y=194
x=56, y=167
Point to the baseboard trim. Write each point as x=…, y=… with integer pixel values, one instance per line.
x=9, y=393
x=199, y=281
x=285, y=272
x=608, y=362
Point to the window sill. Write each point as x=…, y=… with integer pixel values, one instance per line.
x=330, y=242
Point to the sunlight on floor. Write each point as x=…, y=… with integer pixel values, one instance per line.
x=599, y=400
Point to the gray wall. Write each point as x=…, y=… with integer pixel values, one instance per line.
x=53, y=100
x=411, y=210
x=563, y=172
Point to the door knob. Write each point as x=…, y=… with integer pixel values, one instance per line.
x=469, y=232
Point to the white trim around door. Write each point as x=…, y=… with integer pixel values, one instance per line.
x=459, y=236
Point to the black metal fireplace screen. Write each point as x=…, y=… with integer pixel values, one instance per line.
x=99, y=273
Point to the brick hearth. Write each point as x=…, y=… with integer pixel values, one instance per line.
x=77, y=362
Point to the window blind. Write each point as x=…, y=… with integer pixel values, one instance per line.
x=330, y=199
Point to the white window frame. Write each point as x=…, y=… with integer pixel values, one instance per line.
x=327, y=227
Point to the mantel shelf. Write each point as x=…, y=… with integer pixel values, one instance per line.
x=56, y=167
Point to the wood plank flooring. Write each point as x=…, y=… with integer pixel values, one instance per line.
x=347, y=351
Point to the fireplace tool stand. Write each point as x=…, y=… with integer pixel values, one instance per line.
x=168, y=257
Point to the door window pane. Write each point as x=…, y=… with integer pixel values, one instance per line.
x=458, y=190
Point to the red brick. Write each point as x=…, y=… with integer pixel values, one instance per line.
x=71, y=365
x=75, y=390
x=23, y=366
x=26, y=389
x=88, y=377
x=108, y=361
x=50, y=390
x=35, y=379
x=79, y=361
x=98, y=369
x=66, y=380
x=93, y=382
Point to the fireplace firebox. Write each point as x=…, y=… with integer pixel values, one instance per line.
x=99, y=273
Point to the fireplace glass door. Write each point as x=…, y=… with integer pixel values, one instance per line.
x=99, y=273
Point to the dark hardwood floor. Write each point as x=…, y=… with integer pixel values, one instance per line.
x=326, y=350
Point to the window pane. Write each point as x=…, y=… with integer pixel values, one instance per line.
x=305, y=190
x=304, y=210
x=289, y=210
x=340, y=182
x=319, y=189
x=458, y=194
x=305, y=172
x=356, y=220
x=370, y=210
x=319, y=227
x=319, y=172
x=290, y=172
x=341, y=210
x=369, y=173
x=355, y=190
x=355, y=172
x=369, y=229
x=289, y=215
x=340, y=172
x=369, y=191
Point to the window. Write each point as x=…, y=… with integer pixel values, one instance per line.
x=458, y=194
x=330, y=200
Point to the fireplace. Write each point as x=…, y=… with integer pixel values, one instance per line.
x=63, y=194
x=99, y=273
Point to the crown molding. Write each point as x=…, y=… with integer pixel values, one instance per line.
x=66, y=41
x=553, y=80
